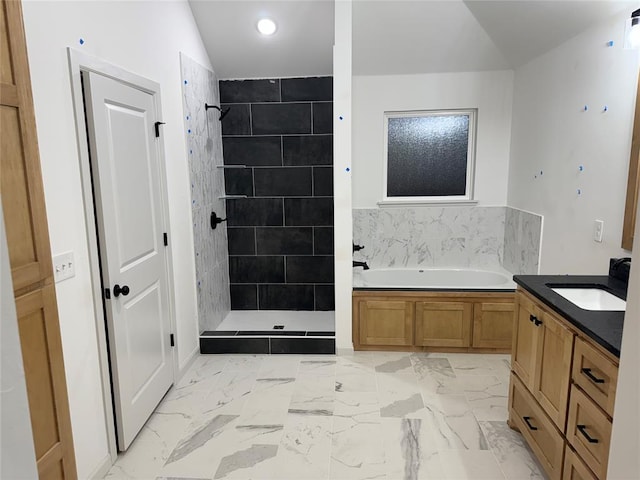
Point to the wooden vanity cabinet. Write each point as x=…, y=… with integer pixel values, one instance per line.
x=443, y=324
x=541, y=357
x=386, y=322
x=443, y=321
x=572, y=382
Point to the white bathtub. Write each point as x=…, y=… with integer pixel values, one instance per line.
x=433, y=279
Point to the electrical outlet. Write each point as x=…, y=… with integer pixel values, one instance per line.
x=598, y=227
x=64, y=266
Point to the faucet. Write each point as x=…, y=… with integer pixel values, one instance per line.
x=361, y=264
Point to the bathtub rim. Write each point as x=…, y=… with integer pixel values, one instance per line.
x=510, y=286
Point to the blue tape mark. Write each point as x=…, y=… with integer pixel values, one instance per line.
x=579, y=192
x=185, y=82
x=341, y=117
x=191, y=152
x=610, y=43
x=540, y=172
x=189, y=131
x=586, y=107
x=605, y=109
x=581, y=168
x=347, y=169
x=187, y=117
x=81, y=41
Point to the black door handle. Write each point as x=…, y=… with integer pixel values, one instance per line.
x=117, y=290
x=587, y=372
x=583, y=431
x=215, y=220
x=526, y=420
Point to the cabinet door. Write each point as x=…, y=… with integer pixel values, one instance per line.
x=525, y=339
x=385, y=322
x=443, y=324
x=553, y=368
x=46, y=387
x=492, y=325
x=574, y=468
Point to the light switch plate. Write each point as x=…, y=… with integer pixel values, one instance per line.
x=598, y=228
x=64, y=266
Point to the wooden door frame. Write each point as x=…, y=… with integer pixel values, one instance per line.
x=81, y=62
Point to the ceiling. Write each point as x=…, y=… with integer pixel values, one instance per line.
x=302, y=46
x=392, y=36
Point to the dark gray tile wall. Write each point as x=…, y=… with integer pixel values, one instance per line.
x=281, y=235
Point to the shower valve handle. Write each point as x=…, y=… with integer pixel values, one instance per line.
x=357, y=248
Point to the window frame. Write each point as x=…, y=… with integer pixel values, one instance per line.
x=468, y=197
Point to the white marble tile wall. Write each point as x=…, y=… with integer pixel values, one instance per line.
x=522, y=236
x=467, y=236
x=204, y=143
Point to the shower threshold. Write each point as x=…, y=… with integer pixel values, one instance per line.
x=272, y=332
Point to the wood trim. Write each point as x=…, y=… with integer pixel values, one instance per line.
x=633, y=181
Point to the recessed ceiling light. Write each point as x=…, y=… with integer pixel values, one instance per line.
x=266, y=26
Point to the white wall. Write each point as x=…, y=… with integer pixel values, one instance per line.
x=144, y=38
x=624, y=462
x=553, y=134
x=489, y=92
x=342, y=167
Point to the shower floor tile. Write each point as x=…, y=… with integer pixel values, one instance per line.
x=331, y=417
x=239, y=320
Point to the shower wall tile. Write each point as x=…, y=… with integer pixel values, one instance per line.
x=310, y=88
x=283, y=182
x=522, y=238
x=242, y=240
x=316, y=269
x=239, y=181
x=430, y=236
x=325, y=297
x=237, y=121
x=254, y=212
x=249, y=91
x=252, y=151
x=323, y=181
x=285, y=297
x=280, y=118
x=307, y=150
x=203, y=139
x=281, y=235
x=244, y=297
x=284, y=241
x=308, y=211
x=323, y=117
x=323, y=240
x=267, y=269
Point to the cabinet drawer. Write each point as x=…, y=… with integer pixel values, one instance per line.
x=595, y=374
x=574, y=467
x=589, y=432
x=539, y=431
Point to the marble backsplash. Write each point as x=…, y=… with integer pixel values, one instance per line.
x=204, y=144
x=454, y=237
x=430, y=236
x=522, y=237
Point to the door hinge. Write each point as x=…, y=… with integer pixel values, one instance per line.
x=166, y=239
x=172, y=339
x=157, y=125
x=107, y=293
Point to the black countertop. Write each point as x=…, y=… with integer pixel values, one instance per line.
x=604, y=327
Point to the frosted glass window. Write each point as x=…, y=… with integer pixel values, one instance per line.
x=429, y=155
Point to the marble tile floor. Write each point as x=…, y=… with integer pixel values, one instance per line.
x=368, y=415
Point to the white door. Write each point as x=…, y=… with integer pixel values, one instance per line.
x=126, y=181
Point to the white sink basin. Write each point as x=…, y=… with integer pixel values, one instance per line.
x=592, y=298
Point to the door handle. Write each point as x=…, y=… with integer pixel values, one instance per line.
x=583, y=431
x=526, y=420
x=117, y=290
x=592, y=377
